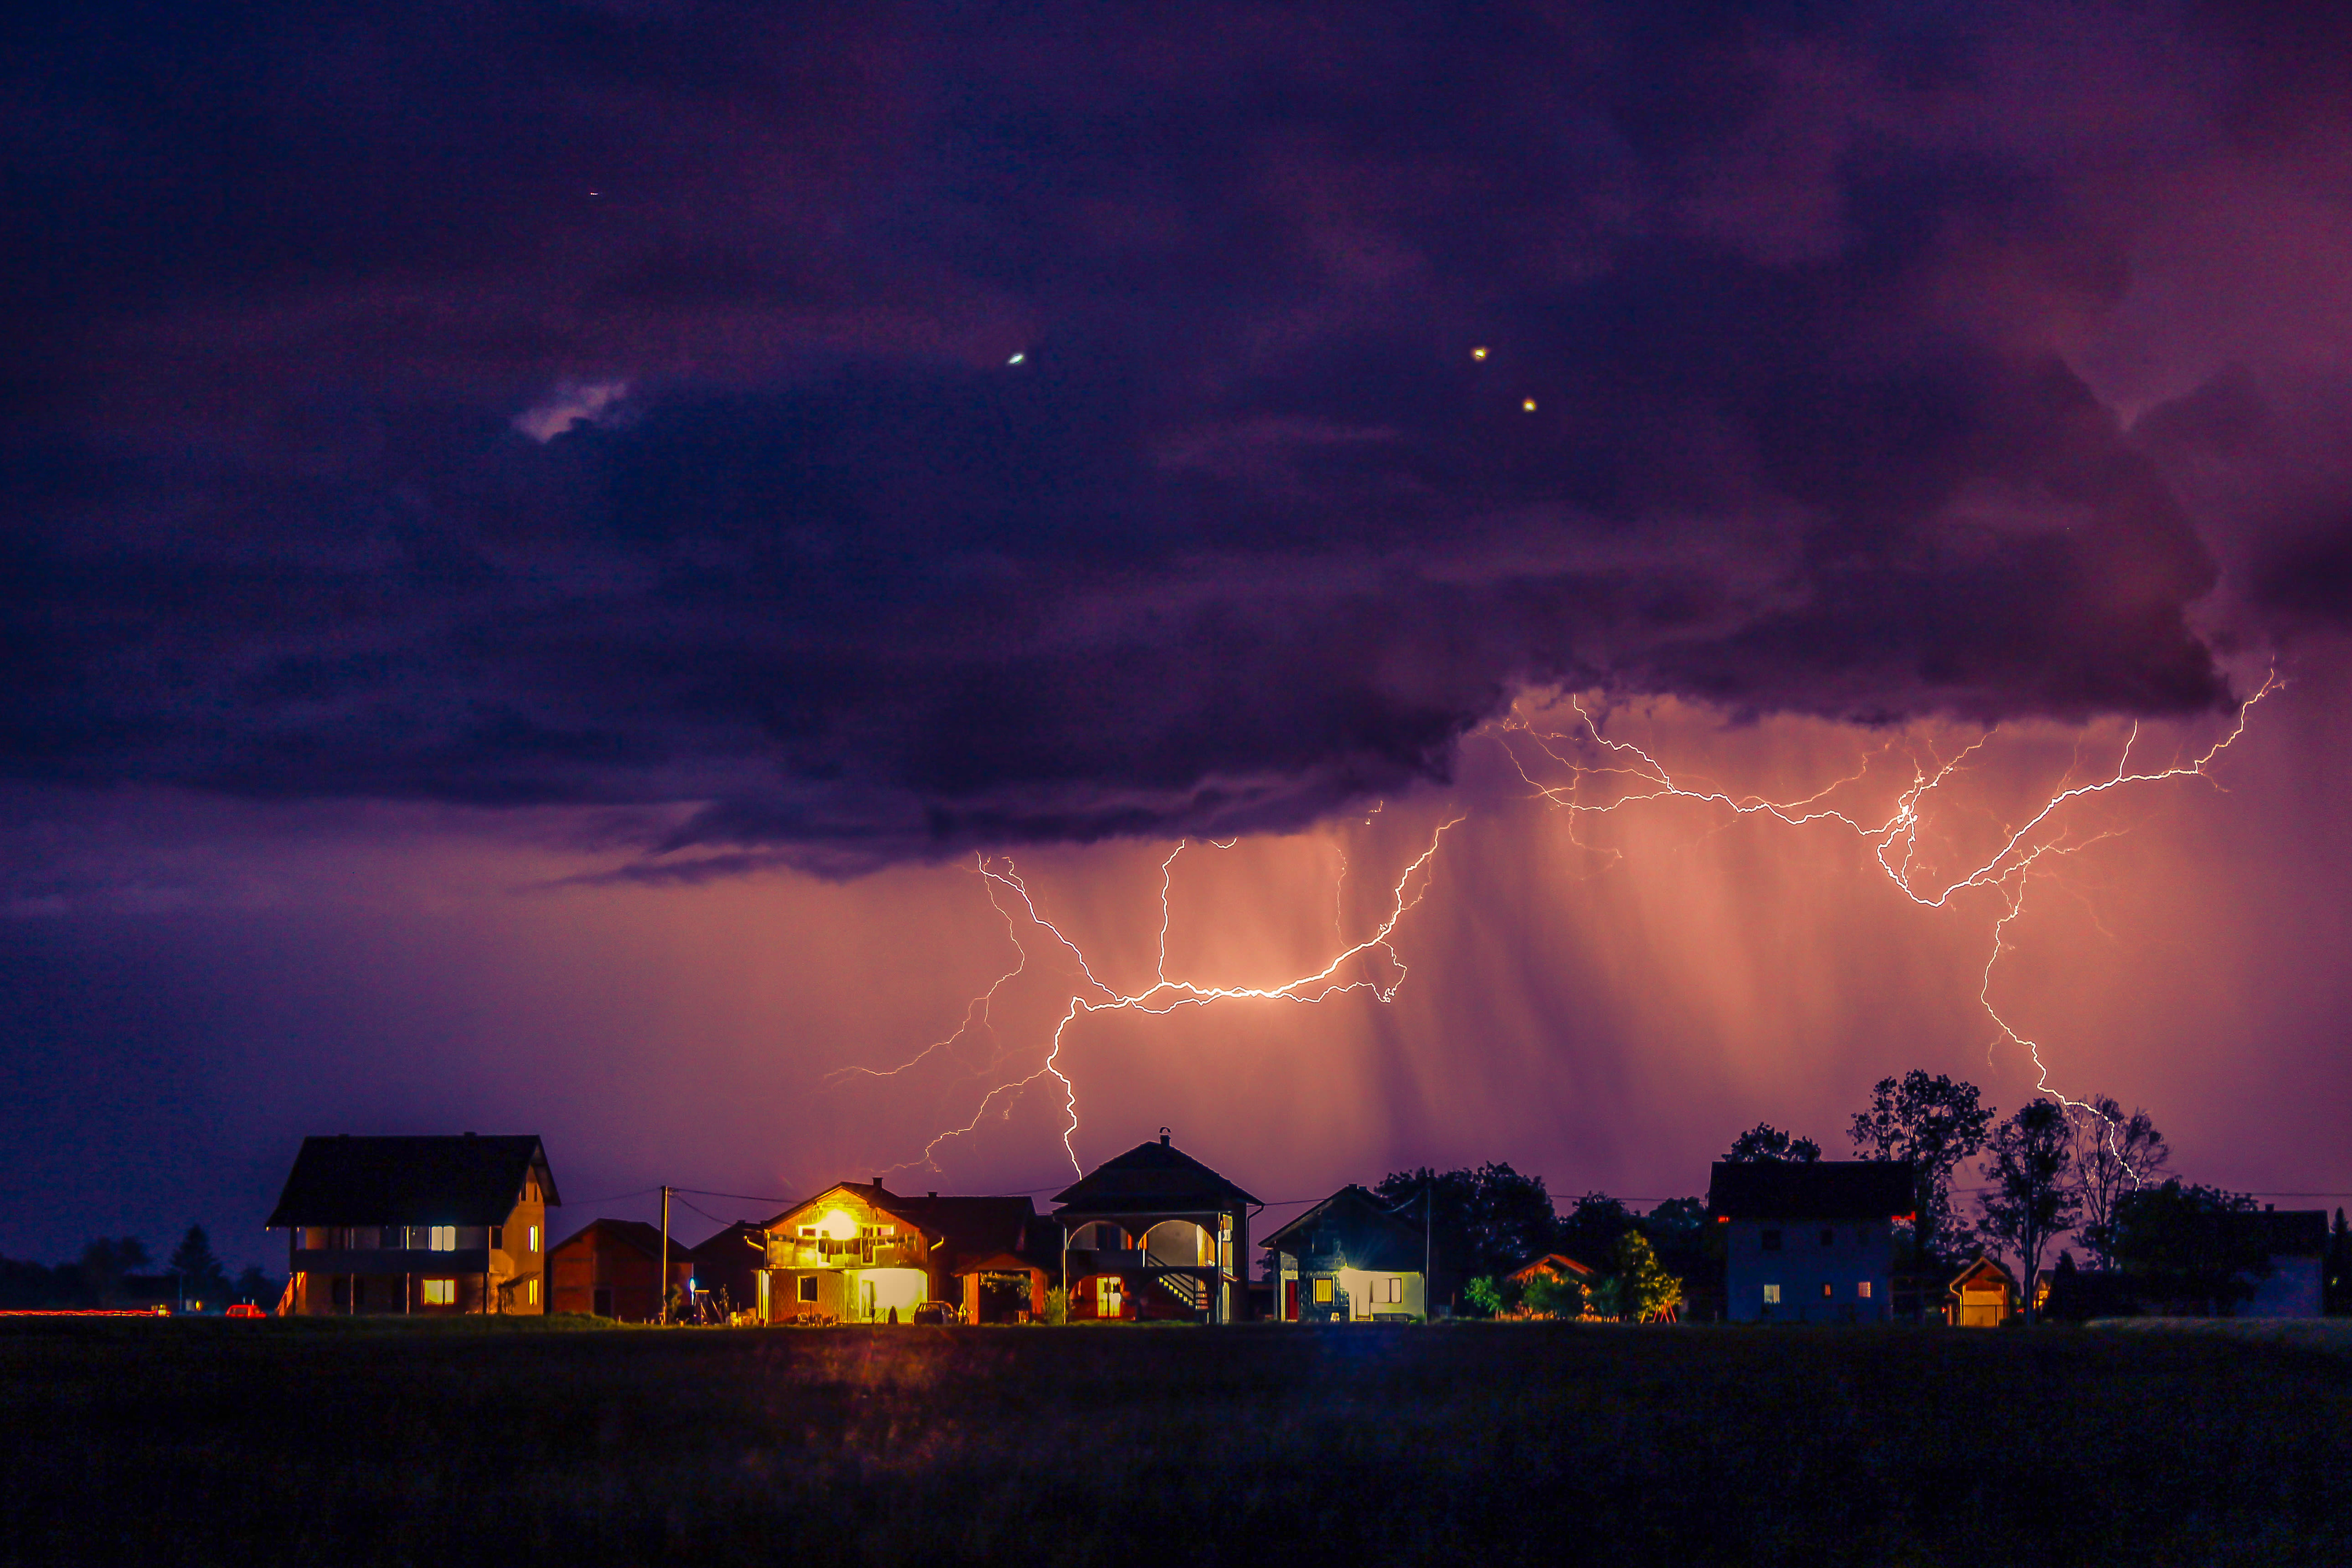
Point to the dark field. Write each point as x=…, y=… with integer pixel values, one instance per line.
x=342, y=1444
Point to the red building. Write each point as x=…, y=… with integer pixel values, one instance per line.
x=607, y=1269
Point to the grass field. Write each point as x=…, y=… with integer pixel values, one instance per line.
x=343, y=1444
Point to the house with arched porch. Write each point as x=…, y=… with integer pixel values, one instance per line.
x=1155, y=1233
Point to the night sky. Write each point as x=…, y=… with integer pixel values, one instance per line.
x=544, y=545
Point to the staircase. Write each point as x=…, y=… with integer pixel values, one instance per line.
x=1192, y=1293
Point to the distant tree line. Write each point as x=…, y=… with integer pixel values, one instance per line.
x=2051, y=1169
x=97, y=1279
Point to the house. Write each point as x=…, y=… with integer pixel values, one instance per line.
x=2297, y=1240
x=1981, y=1296
x=606, y=1267
x=732, y=1262
x=426, y=1224
x=1809, y=1243
x=1349, y=1260
x=858, y=1253
x=1155, y=1233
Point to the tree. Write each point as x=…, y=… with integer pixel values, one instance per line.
x=1934, y=1122
x=1590, y=1232
x=1646, y=1286
x=2032, y=1194
x=1490, y=1296
x=1765, y=1142
x=2184, y=1249
x=1555, y=1295
x=1486, y=1221
x=201, y=1277
x=2113, y=1153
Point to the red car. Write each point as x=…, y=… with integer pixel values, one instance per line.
x=247, y=1309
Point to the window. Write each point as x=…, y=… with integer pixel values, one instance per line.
x=1770, y=1240
x=1395, y=1292
x=498, y=1235
x=1771, y=1295
x=531, y=1292
x=808, y=1232
x=1323, y=1292
x=1829, y=1238
x=808, y=1289
x=440, y=1292
x=534, y=1238
x=1107, y=1297
x=1828, y=1289
x=1862, y=1289
x=444, y=1239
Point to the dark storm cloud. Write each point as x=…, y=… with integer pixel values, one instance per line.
x=612, y=403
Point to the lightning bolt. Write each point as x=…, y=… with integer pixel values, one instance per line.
x=1622, y=775
x=1895, y=839
x=1163, y=995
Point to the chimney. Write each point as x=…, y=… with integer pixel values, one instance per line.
x=930, y=1194
x=877, y=1184
x=1163, y=1140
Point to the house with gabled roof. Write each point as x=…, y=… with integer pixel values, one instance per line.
x=859, y=1253
x=1349, y=1260
x=431, y=1226
x=1984, y=1295
x=607, y=1267
x=1809, y=1243
x=1154, y=1233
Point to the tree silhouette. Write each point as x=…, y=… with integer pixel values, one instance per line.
x=201, y=1277
x=2032, y=1194
x=1765, y=1143
x=2114, y=1154
x=1934, y=1122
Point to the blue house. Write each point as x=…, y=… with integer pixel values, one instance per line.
x=1809, y=1243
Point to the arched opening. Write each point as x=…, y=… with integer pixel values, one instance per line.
x=1102, y=1236
x=1180, y=1244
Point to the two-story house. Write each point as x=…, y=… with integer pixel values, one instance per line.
x=1349, y=1260
x=858, y=1253
x=1809, y=1243
x=416, y=1225
x=1155, y=1233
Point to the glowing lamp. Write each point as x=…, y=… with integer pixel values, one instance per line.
x=1478, y=354
x=1530, y=404
x=837, y=1226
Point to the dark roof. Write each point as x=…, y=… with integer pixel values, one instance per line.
x=739, y=1243
x=639, y=1238
x=1151, y=1178
x=1368, y=1234
x=462, y=1180
x=1826, y=1189
x=2285, y=1233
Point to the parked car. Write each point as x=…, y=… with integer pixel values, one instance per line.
x=941, y=1312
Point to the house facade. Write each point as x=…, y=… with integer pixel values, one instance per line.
x=1984, y=1295
x=422, y=1225
x=606, y=1267
x=1809, y=1243
x=1155, y=1233
x=1349, y=1261
x=2297, y=1240
x=858, y=1253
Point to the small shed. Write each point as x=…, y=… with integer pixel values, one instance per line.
x=1981, y=1296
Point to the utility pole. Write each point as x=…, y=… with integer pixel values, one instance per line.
x=661, y=1265
x=1428, y=1197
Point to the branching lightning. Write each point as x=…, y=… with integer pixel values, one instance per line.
x=1581, y=772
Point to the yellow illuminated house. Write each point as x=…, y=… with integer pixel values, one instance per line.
x=858, y=1253
x=1349, y=1260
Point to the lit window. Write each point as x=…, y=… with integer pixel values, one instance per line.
x=808, y=1231
x=440, y=1292
x=1828, y=1289
x=1323, y=1292
x=808, y=1287
x=534, y=1238
x=1770, y=1240
x=1107, y=1297
x=531, y=1292
x=444, y=1239
x=1862, y=1289
x=1771, y=1295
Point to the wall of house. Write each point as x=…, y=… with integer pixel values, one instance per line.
x=518, y=1255
x=1826, y=1272
x=2292, y=1291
